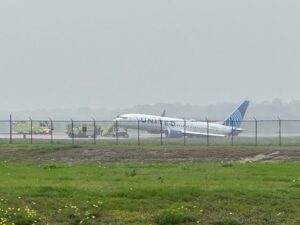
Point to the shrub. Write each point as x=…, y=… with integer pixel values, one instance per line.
x=132, y=173
x=20, y=219
x=227, y=165
x=228, y=221
x=172, y=216
x=24, y=216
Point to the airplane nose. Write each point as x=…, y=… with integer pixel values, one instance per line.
x=119, y=119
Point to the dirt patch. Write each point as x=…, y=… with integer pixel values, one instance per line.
x=274, y=156
x=185, y=154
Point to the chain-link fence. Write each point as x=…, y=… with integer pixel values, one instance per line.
x=181, y=132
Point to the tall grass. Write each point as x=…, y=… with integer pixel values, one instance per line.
x=145, y=193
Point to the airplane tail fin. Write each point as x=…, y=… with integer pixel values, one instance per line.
x=236, y=117
x=163, y=113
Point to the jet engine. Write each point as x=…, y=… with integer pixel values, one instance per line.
x=171, y=133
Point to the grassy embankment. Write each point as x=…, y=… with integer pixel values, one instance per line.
x=148, y=193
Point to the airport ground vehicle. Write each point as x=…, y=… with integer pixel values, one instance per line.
x=122, y=134
x=34, y=127
x=83, y=130
x=110, y=131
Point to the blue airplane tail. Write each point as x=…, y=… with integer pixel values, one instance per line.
x=236, y=117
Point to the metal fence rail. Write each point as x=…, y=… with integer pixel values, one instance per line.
x=255, y=132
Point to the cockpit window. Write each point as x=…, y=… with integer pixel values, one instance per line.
x=124, y=117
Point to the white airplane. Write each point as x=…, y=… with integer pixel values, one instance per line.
x=177, y=128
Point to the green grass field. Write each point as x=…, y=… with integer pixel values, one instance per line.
x=149, y=193
x=54, y=184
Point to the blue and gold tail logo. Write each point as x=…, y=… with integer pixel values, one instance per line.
x=236, y=118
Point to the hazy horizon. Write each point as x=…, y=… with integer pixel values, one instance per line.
x=119, y=54
x=277, y=100
x=260, y=110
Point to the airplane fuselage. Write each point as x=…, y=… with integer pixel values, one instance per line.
x=158, y=124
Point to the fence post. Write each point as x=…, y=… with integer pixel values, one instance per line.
x=72, y=126
x=255, y=131
x=161, y=132
x=51, y=124
x=207, y=132
x=231, y=120
x=279, y=120
x=117, y=138
x=138, y=124
x=95, y=133
x=30, y=130
x=10, y=129
x=184, y=135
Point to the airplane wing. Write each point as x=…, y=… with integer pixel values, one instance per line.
x=192, y=133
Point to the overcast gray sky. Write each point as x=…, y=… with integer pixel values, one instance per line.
x=72, y=54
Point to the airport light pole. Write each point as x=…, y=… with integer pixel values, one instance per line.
x=30, y=130
x=231, y=120
x=207, y=132
x=10, y=129
x=72, y=127
x=51, y=123
x=161, y=133
x=255, y=120
x=94, y=123
x=117, y=139
x=184, y=135
x=138, y=126
x=279, y=132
